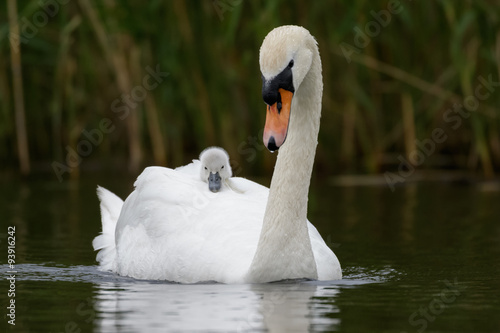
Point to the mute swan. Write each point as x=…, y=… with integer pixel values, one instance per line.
x=215, y=168
x=171, y=228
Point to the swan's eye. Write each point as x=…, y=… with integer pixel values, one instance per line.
x=222, y=167
x=206, y=168
x=290, y=64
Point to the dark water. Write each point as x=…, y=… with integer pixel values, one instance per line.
x=424, y=258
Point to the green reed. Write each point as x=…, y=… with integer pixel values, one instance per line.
x=396, y=88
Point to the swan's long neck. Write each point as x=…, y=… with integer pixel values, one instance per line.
x=284, y=249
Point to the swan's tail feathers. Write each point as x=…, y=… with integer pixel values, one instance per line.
x=111, y=206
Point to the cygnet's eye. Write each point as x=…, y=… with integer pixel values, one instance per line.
x=222, y=167
x=206, y=168
x=290, y=64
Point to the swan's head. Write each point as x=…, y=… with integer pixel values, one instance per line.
x=285, y=58
x=215, y=167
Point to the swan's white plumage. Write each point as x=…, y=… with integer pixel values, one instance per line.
x=111, y=206
x=172, y=227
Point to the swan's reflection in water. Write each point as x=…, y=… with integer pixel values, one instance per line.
x=276, y=307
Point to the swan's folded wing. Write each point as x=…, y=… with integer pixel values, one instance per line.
x=172, y=227
x=158, y=191
x=192, y=168
x=245, y=186
x=155, y=175
x=327, y=264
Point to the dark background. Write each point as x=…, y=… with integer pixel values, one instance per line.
x=393, y=71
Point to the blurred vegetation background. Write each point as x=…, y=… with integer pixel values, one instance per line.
x=86, y=62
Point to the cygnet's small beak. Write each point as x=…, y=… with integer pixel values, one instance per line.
x=214, y=182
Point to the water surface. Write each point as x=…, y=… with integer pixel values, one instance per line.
x=422, y=258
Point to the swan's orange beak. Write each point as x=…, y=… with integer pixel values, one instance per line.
x=277, y=118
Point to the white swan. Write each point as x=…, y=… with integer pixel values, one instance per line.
x=171, y=228
x=215, y=168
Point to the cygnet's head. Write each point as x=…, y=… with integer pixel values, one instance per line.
x=215, y=168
